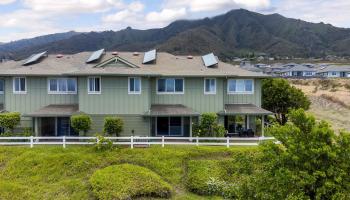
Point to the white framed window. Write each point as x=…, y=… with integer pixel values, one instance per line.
x=334, y=73
x=62, y=85
x=2, y=86
x=240, y=86
x=170, y=86
x=94, y=85
x=210, y=86
x=134, y=85
x=19, y=85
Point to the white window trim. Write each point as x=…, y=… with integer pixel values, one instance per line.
x=214, y=92
x=58, y=92
x=161, y=93
x=231, y=92
x=134, y=92
x=88, y=85
x=14, y=87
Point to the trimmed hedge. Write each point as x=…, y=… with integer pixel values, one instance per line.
x=128, y=181
x=10, y=120
x=113, y=125
x=81, y=123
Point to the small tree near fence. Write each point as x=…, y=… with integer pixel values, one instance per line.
x=208, y=126
x=113, y=125
x=9, y=121
x=81, y=123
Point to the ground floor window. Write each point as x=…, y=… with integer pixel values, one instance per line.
x=170, y=126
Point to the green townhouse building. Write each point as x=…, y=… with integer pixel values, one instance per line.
x=156, y=94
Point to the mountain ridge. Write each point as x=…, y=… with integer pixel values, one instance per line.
x=231, y=34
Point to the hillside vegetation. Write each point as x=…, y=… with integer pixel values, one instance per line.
x=330, y=100
x=232, y=34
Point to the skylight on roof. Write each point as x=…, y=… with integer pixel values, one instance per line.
x=210, y=60
x=149, y=56
x=35, y=58
x=95, y=56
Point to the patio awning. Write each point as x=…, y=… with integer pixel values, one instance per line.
x=55, y=110
x=244, y=109
x=170, y=110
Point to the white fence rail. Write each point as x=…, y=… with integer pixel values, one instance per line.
x=134, y=141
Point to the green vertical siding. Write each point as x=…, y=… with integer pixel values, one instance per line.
x=133, y=125
x=193, y=97
x=114, y=97
x=37, y=96
x=244, y=98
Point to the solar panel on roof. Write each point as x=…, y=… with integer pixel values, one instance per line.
x=149, y=56
x=210, y=60
x=34, y=58
x=95, y=56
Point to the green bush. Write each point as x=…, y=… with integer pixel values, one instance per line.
x=128, y=181
x=103, y=144
x=10, y=120
x=208, y=126
x=81, y=123
x=113, y=125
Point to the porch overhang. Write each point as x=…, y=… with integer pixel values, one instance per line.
x=158, y=110
x=244, y=109
x=55, y=110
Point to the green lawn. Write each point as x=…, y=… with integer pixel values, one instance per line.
x=51, y=172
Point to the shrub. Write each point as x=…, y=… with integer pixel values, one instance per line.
x=81, y=123
x=10, y=120
x=208, y=126
x=113, y=125
x=103, y=144
x=128, y=181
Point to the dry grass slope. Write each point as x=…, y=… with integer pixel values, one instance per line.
x=330, y=100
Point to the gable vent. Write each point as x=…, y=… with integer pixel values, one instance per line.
x=35, y=58
x=95, y=56
x=135, y=53
x=59, y=56
x=189, y=57
x=150, y=57
x=210, y=60
x=114, y=53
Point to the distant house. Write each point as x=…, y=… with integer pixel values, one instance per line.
x=299, y=71
x=334, y=71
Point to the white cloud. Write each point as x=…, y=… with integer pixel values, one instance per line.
x=166, y=15
x=210, y=5
x=4, y=2
x=335, y=12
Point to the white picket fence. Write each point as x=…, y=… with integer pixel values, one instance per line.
x=134, y=141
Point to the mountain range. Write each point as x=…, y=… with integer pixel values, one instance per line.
x=234, y=33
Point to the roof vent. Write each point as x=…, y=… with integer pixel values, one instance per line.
x=114, y=53
x=135, y=54
x=59, y=56
x=150, y=57
x=35, y=58
x=189, y=57
x=210, y=60
x=96, y=56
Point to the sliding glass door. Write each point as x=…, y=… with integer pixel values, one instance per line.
x=169, y=126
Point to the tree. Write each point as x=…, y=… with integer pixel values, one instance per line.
x=10, y=120
x=278, y=96
x=311, y=161
x=113, y=125
x=81, y=123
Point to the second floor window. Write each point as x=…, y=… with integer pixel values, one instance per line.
x=2, y=86
x=210, y=86
x=240, y=86
x=134, y=85
x=170, y=86
x=62, y=86
x=19, y=85
x=94, y=85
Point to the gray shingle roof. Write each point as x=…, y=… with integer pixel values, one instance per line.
x=54, y=110
x=171, y=110
x=247, y=109
x=335, y=68
x=166, y=65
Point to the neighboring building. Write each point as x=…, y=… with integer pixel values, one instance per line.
x=334, y=71
x=299, y=71
x=156, y=94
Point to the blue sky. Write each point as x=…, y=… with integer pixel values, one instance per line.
x=29, y=18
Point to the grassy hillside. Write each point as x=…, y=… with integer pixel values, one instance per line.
x=330, y=100
x=83, y=173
